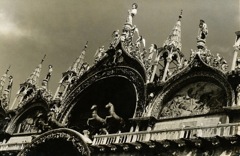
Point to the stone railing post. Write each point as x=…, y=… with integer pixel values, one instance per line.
x=118, y=137
x=181, y=134
x=148, y=135
x=238, y=129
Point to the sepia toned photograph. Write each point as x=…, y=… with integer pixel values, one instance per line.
x=119, y=78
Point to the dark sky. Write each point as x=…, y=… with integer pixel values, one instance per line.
x=59, y=28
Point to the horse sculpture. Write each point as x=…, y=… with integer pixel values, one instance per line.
x=95, y=118
x=113, y=115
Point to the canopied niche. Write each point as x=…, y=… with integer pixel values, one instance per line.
x=195, y=98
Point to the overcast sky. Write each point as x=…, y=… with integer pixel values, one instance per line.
x=59, y=28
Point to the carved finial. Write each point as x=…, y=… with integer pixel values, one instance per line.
x=8, y=69
x=43, y=58
x=180, y=16
x=86, y=45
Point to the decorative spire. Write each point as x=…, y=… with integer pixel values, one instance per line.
x=172, y=51
x=36, y=73
x=2, y=80
x=28, y=87
x=6, y=94
x=70, y=75
x=174, y=38
x=79, y=61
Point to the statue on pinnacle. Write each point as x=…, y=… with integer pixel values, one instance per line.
x=202, y=35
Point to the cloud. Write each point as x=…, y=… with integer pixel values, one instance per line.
x=9, y=28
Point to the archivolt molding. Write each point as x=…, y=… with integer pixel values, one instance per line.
x=125, y=72
x=78, y=140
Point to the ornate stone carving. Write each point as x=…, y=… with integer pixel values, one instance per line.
x=217, y=62
x=196, y=98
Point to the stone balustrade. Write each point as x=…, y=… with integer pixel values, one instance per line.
x=12, y=147
x=169, y=134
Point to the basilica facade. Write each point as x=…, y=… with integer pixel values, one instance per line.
x=134, y=100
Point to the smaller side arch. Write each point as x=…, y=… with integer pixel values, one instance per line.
x=193, y=76
x=50, y=143
x=28, y=109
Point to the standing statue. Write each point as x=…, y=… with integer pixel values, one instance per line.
x=100, y=53
x=202, y=35
x=217, y=60
x=141, y=41
x=49, y=74
x=132, y=13
x=203, y=30
x=115, y=37
x=152, y=50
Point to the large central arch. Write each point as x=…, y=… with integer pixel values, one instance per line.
x=122, y=86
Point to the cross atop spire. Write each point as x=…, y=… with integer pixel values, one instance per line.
x=174, y=38
x=32, y=79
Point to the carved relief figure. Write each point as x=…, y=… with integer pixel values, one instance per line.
x=197, y=98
